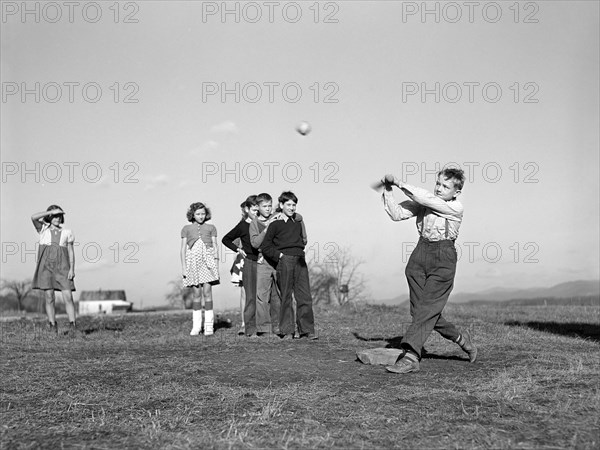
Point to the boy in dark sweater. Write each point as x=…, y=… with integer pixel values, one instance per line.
x=242, y=232
x=283, y=246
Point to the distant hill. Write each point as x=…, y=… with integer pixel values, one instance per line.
x=390, y=301
x=580, y=288
x=570, y=289
x=589, y=300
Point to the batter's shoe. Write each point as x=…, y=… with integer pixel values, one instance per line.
x=404, y=365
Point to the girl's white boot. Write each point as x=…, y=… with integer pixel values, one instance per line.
x=196, y=323
x=209, y=321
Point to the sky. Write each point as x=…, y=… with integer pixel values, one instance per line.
x=125, y=113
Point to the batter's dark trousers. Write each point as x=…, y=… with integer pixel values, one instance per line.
x=430, y=274
x=292, y=277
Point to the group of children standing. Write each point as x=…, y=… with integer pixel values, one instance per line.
x=270, y=247
x=270, y=267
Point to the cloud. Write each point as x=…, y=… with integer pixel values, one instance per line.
x=148, y=240
x=158, y=180
x=185, y=183
x=225, y=127
x=205, y=147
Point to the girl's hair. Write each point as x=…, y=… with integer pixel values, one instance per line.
x=48, y=219
x=195, y=207
x=248, y=203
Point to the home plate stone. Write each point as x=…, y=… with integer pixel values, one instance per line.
x=379, y=356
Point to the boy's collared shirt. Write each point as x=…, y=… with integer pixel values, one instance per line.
x=258, y=228
x=297, y=218
x=285, y=237
x=437, y=219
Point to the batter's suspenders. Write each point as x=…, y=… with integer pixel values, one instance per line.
x=422, y=217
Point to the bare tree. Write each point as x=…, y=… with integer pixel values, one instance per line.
x=322, y=283
x=179, y=297
x=337, y=279
x=20, y=289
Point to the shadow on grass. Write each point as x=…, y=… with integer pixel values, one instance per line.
x=583, y=330
x=394, y=342
x=220, y=322
x=90, y=330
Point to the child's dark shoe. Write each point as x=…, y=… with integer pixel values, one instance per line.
x=468, y=346
x=309, y=336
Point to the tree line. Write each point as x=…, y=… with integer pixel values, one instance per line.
x=17, y=295
x=335, y=282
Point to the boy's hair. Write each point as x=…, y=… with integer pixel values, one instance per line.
x=287, y=196
x=48, y=219
x=454, y=174
x=263, y=197
x=195, y=207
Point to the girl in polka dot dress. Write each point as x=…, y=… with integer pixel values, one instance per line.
x=199, y=264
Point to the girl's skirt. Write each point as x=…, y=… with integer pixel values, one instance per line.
x=236, y=270
x=201, y=266
x=52, y=269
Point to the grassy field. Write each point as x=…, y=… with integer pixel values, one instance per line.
x=140, y=381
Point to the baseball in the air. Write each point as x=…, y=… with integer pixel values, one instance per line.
x=303, y=128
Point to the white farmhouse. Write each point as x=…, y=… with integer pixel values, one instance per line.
x=103, y=302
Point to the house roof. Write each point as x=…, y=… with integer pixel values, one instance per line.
x=102, y=295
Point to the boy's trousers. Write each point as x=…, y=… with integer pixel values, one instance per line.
x=268, y=303
x=430, y=273
x=249, y=282
x=292, y=277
